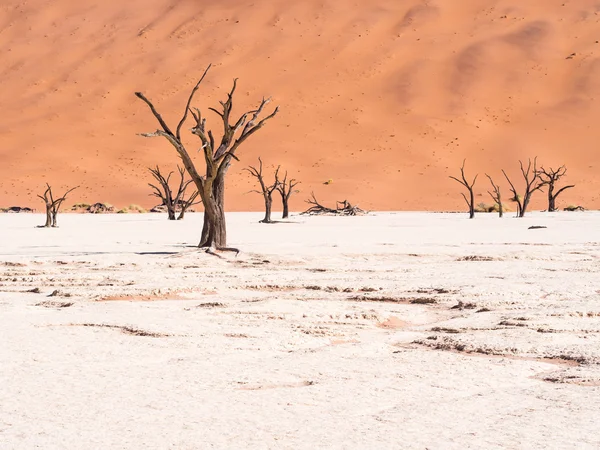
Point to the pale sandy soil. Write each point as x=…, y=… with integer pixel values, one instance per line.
x=385, y=97
x=307, y=339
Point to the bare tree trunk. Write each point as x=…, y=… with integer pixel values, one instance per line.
x=214, y=232
x=217, y=220
x=286, y=211
x=48, y=223
x=268, y=204
x=171, y=212
x=551, y=198
x=471, y=204
x=525, y=205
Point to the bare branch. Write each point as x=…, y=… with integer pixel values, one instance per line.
x=162, y=123
x=189, y=102
x=563, y=188
x=466, y=201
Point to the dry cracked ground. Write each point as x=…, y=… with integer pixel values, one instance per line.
x=392, y=330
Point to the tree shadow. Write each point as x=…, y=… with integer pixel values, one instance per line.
x=156, y=253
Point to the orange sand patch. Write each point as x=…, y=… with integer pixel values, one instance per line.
x=393, y=323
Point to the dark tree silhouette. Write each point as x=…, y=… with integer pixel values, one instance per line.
x=286, y=189
x=53, y=205
x=532, y=183
x=550, y=177
x=496, y=196
x=164, y=192
x=471, y=200
x=265, y=190
x=217, y=157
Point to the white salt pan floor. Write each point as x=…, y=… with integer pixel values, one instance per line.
x=393, y=330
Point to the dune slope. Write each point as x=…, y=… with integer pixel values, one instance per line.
x=385, y=97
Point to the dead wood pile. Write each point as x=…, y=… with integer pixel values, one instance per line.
x=343, y=208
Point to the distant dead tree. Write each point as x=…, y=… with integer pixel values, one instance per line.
x=532, y=183
x=549, y=178
x=286, y=189
x=471, y=200
x=217, y=157
x=265, y=190
x=53, y=205
x=496, y=196
x=165, y=194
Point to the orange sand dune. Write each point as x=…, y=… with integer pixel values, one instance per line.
x=384, y=97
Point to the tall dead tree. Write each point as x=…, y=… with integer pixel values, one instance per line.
x=165, y=194
x=286, y=189
x=549, y=178
x=533, y=183
x=471, y=200
x=217, y=157
x=496, y=196
x=265, y=190
x=53, y=205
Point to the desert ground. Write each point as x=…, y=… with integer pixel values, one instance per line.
x=384, y=97
x=391, y=330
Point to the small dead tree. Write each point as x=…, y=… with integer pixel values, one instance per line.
x=165, y=194
x=185, y=204
x=496, y=196
x=286, y=189
x=53, y=205
x=549, y=178
x=217, y=156
x=533, y=183
x=265, y=190
x=471, y=200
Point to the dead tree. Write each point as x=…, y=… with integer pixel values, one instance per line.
x=185, y=204
x=217, y=157
x=471, y=200
x=265, y=190
x=533, y=183
x=53, y=205
x=286, y=188
x=165, y=194
x=496, y=196
x=549, y=178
